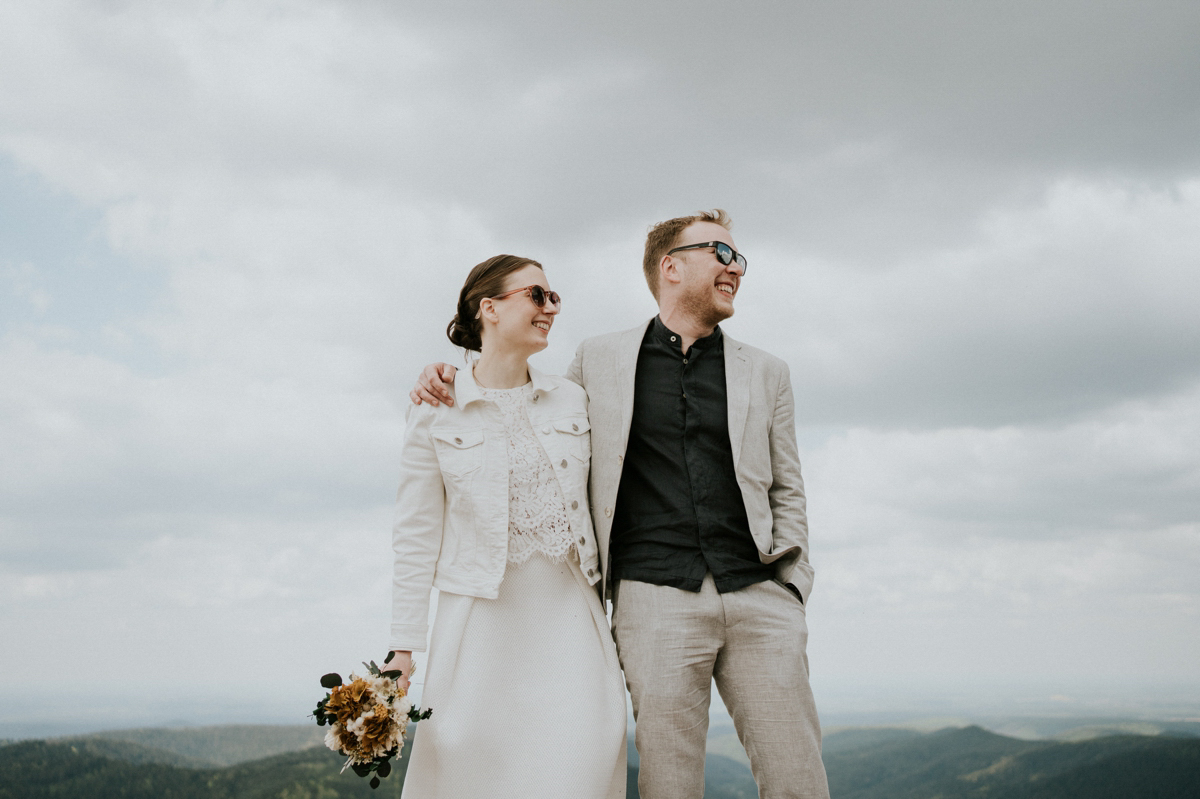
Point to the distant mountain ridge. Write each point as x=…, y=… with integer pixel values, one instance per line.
x=54, y=770
x=970, y=762
x=224, y=745
x=862, y=763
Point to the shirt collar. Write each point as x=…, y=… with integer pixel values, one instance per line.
x=467, y=390
x=670, y=338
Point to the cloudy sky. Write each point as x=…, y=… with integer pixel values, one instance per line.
x=232, y=233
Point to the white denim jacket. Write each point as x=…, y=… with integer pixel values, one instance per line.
x=451, y=523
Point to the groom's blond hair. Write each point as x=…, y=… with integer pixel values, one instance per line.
x=665, y=235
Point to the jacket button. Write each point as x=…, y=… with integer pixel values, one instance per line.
x=575, y=427
x=564, y=463
x=608, y=511
x=591, y=572
x=535, y=397
x=458, y=441
x=582, y=541
x=546, y=430
x=574, y=504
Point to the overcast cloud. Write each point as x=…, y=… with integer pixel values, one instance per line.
x=232, y=233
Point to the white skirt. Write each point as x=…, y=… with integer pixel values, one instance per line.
x=527, y=695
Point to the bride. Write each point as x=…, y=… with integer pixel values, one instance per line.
x=523, y=680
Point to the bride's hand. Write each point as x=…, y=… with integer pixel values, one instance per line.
x=431, y=385
x=398, y=660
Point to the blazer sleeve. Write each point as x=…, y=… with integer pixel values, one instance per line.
x=574, y=372
x=416, y=532
x=788, y=506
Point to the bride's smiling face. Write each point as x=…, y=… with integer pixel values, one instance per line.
x=515, y=323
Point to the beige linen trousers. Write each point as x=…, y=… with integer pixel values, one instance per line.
x=673, y=644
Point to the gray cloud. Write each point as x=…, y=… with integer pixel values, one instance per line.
x=855, y=123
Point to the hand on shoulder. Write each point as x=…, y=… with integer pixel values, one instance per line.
x=434, y=384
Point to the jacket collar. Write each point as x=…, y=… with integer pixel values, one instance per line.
x=467, y=390
x=738, y=372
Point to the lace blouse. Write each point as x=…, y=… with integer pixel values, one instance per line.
x=537, y=511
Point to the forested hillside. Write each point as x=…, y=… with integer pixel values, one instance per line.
x=971, y=762
x=957, y=763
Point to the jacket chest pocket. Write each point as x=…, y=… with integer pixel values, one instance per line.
x=574, y=431
x=458, y=452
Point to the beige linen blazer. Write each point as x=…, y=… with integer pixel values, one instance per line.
x=762, y=434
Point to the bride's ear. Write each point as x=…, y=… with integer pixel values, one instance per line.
x=487, y=311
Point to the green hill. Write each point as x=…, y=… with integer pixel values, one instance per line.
x=134, y=753
x=850, y=739
x=223, y=745
x=49, y=770
x=971, y=762
x=866, y=763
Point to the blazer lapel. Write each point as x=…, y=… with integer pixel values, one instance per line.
x=624, y=372
x=737, y=394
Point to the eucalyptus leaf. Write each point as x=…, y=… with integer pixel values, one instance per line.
x=374, y=782
x=331, y=680
x=385, y=768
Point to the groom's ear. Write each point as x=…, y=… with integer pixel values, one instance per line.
x=668, y=270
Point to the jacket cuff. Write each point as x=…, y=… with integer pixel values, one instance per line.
x=409, y=637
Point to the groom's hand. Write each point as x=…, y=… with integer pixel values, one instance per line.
x=432, y=385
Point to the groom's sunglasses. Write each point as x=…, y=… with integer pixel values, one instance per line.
x=536, y=293
x=725, y=254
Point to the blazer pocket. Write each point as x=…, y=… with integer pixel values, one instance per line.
x=792, y=593
x=575, y=431
x=459, y=452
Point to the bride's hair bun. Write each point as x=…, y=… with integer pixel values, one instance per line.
x=485, y=280
x=464, y=335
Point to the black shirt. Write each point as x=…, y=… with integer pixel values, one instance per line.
x=679, y=510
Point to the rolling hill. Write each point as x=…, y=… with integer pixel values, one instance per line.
x=971, y=762
x=863, y=763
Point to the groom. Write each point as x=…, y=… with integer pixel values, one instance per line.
x=699, y=511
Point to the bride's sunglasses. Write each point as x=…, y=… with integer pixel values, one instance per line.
x=539, y=295
x=725, y=254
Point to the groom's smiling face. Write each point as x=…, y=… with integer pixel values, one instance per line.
x=709, y=286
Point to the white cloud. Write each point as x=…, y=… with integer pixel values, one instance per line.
x=1131, y=470
x=250, y=614
x=1050, y=310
